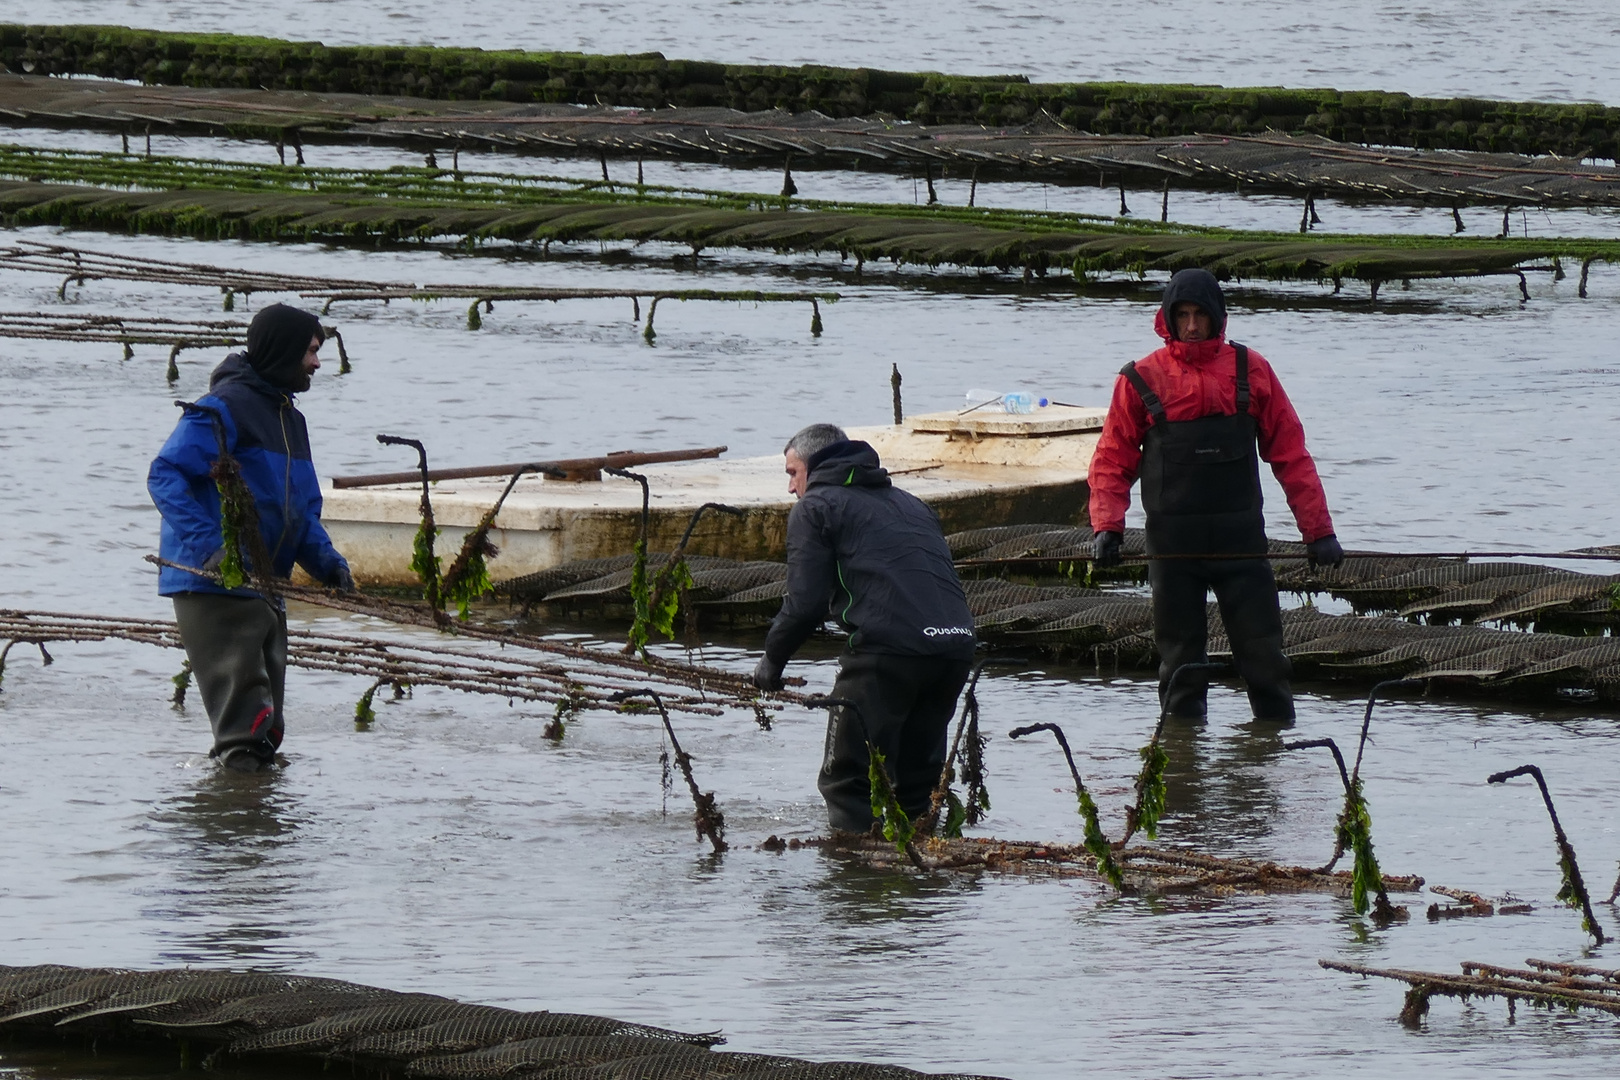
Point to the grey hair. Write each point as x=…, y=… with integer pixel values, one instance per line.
x=812, y=440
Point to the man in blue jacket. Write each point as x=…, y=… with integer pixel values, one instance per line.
x=236, y=639
x=875, y=558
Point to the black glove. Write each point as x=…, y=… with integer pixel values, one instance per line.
x=342, y=580
x=1325, y=551
x=1105, y=549
x=767, y=674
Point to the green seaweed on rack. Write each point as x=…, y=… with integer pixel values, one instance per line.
x=898, y=828
x=976, y=804
x=1151, y=790
x=471, y=584
x=1097, y=843
x=652, y=81
x=219, y=200
x=640, y=600
x=182, y=683
x=364, y=714
x=1354, y=833
x=569, y=706
x=235, y=504
x=424, y=563
x=955, y=815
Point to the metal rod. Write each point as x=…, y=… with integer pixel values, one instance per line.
x=1566, y=851
x=566, y=465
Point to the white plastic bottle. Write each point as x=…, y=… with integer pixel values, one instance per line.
x=983, y=401
x=1019, y=401
x=1022, y=401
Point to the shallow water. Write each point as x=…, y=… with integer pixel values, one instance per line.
x=453, y=849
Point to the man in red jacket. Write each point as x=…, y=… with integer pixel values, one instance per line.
x=1188, y=419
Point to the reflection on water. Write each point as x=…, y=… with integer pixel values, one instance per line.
x=854, y=897
x=231, y=875
x=1220, y=791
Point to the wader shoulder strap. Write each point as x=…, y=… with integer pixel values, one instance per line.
x=1150, y=400
x=1242, y=378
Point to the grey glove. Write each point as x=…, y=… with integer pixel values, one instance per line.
x=214, y=561
x=342, y=580
x=1105, y=549
x=1325, y=551
x=767, y=674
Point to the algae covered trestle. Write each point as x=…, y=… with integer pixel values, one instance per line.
x=497, y=812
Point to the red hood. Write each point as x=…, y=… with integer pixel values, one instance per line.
x=1188, y=352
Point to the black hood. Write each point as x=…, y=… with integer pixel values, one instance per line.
x=277, y=339
x=1194, y=287
x=235, y=368
x=850, y=463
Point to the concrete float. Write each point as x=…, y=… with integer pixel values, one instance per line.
x=975, y=469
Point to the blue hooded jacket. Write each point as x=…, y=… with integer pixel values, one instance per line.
x=267, y=436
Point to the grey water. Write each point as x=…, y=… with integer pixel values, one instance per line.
x=455, y=850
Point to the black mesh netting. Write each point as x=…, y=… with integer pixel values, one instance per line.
x=1585, y=658
x=17, y=984
x=136, y=999
x=496, y=1057
x=1502, y=659
x=1038, y=613
x=1031, y=616
x=1469, y=600
x=992, y=594
x=535, y=586
x=470, y=1031
x=397, y=1013
x=616, y=585
x=1052, y=544
x=380, y=1031
x=1555, y=596
x=971, y=543
x=1400, y=589
x=268, y=1012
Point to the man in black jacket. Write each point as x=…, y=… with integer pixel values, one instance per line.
x=874, y=557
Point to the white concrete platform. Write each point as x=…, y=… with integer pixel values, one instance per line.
x=1032, y=469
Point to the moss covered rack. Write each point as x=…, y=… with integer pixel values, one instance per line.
x=218, y=200
x=649, y=80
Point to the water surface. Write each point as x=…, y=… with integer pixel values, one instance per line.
x=453, y=849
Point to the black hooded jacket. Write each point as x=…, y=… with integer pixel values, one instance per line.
x=874, y=558
x=277, y=339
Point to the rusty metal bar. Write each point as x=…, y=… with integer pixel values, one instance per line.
x=573, y=468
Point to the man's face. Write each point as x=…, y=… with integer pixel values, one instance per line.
x=312, y=362
x=798, y=474
x=1192, y=322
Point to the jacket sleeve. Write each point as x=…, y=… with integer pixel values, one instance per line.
x=316, y=554
x=1282, y=443
x=1116, y=459
x=179, y=469
x=812, y=571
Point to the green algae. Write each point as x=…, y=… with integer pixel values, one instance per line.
x=651, y=81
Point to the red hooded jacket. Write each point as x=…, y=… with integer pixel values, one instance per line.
x=1195, y=379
